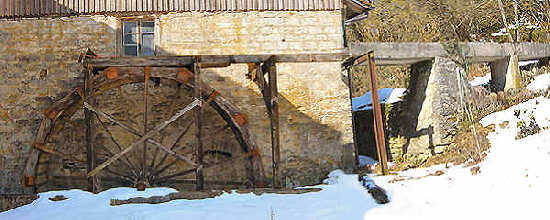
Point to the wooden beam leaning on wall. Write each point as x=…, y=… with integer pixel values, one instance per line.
x=197, y=96
x=90, y=133
x=275, y=140
x=377, y=113
x=270, y=92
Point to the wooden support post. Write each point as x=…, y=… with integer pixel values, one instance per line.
x=145, y=110
x=377, y=114
x=274, y=116
x=90, y=133
x=348, y=65
x=197, y=95
x=353, y=123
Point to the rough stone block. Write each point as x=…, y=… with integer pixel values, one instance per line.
x=429, y=107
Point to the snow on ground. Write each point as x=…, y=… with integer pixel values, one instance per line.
x=484, y=80
x=481, y=80
x=513, y=183
x=527, y=62
x=366, y=160
x=344, y=198
x=541, y=82
x=386, y=95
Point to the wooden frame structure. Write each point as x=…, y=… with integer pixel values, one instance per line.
x=119, y=71
x=377, y=111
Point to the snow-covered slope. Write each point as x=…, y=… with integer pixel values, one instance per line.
x=541, y=82
x=513, y=183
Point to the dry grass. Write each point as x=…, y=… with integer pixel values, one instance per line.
x=464, y=149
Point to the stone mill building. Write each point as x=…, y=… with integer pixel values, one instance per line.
x=101, y=93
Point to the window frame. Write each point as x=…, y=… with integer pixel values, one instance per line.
x=140, y=33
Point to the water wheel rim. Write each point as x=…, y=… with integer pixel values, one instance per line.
x=62, y=110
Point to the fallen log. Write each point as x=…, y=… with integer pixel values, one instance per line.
x=260, y=191
x=377, y=192
x=172, y=196
x=192, y=195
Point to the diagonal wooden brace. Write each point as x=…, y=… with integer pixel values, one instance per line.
x=161, y=126
x=137, y=133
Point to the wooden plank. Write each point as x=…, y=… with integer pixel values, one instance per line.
x=90, y=134
x=142, y=139
x=211, y=60
x=41, y=136
x=377, y=113
x=198, y=128
x=274, y=118
x=145, y=111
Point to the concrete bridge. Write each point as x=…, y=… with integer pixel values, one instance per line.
x=433, y=92
x=503, y=58
x=410, y=53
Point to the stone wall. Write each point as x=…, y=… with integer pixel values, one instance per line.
x=8, y=202
x=38, y=65
x=250, y=33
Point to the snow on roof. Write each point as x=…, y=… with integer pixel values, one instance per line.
x=386, y=95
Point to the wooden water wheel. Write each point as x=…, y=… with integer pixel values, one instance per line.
x=142, y=127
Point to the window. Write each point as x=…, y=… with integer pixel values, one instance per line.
x=138, y=38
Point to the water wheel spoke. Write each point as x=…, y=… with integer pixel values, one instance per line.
x=205, y=166
x=171, y=109
x=174, y=154
x=126, y=160
x=109, y=153
x=135, y=132
x=173, y=146
x=182, y=173
x=125, y=177
x=50, y=150
x=110, y=118
x=145, y=137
